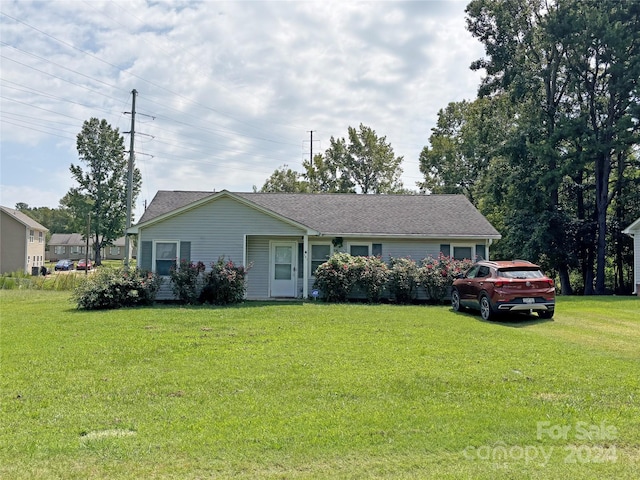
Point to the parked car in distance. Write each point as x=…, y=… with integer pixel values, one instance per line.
x=63, y=265
x=84, y=265
x=504, y=286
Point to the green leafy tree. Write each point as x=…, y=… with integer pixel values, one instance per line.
x=57, y=220
x=102, y=185
x=285, y=180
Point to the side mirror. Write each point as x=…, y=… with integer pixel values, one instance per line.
x=460, y=275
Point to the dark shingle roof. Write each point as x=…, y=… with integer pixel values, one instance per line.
x=336, y=214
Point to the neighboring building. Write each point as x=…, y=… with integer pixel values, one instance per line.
x=633, y=230
x=286, y=236
x=73, y=246
x=22, y=242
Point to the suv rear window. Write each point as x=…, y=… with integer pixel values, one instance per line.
x=520, y=273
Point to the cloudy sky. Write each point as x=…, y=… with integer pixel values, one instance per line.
x=227, y=91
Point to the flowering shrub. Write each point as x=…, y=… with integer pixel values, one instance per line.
x=115, y=288
x=404, y=278
x=185, y=281
x=225, y=283
x=437, y=274
x=371, y=276
x=336, y=277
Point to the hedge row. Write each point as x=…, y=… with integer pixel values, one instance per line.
x=343, y=275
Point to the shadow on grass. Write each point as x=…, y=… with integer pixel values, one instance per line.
x=513, y=320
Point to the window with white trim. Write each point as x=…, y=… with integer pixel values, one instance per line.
x=59, y=249
x=114, y=250
x=165, y=256
x=40, y=237
x=320, y=253
x=31, y=236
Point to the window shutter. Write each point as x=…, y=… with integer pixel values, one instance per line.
x=185, y=251
x=445, y=249
x=145, y=256
x=300, y=260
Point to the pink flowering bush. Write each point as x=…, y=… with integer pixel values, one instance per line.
x=343, y=274
x=225, y=284
x=336, y=277
x=371, y=276
x=437, y=274
x=186, y=281
x=404, y=278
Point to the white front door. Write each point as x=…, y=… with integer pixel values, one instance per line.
x=283, y=271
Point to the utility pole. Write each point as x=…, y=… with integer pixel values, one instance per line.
x=86, y=250
x=311, y=149
x=130, y=178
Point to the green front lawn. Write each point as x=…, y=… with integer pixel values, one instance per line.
x=311, y=390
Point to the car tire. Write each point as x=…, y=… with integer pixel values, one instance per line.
x=546, y=314
x=486, y=310
x=455, y=300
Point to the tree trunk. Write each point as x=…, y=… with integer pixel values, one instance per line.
x=603, y=172
x=565, y=283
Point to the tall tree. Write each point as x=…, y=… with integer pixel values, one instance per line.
x=369, y=162
x=102, y=186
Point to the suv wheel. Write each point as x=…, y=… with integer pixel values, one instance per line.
x=486, y=310
x=546, y=314
x=455, y=300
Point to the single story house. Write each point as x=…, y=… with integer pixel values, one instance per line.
x=633, y=230
x=285, y=236
x=73, y=246
x=22, y=242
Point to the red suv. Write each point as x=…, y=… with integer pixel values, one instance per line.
x=504, y=286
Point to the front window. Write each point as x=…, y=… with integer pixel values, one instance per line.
x=319, y=255
x=166, y=257
x=462, y=253
x=40, y=237
x=114, y=250
x=360, y=250
x=31, y=236
x=59, y=249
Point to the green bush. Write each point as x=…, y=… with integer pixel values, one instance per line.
x=404, y=278
x=225, y=284
x=371, y=276
x=437, y=275
x=186, y=281
x=115, y=288
x=336, y=277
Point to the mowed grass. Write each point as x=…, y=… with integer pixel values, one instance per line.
x=310, y=390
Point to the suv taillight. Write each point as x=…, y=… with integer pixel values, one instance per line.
x=498, y=284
